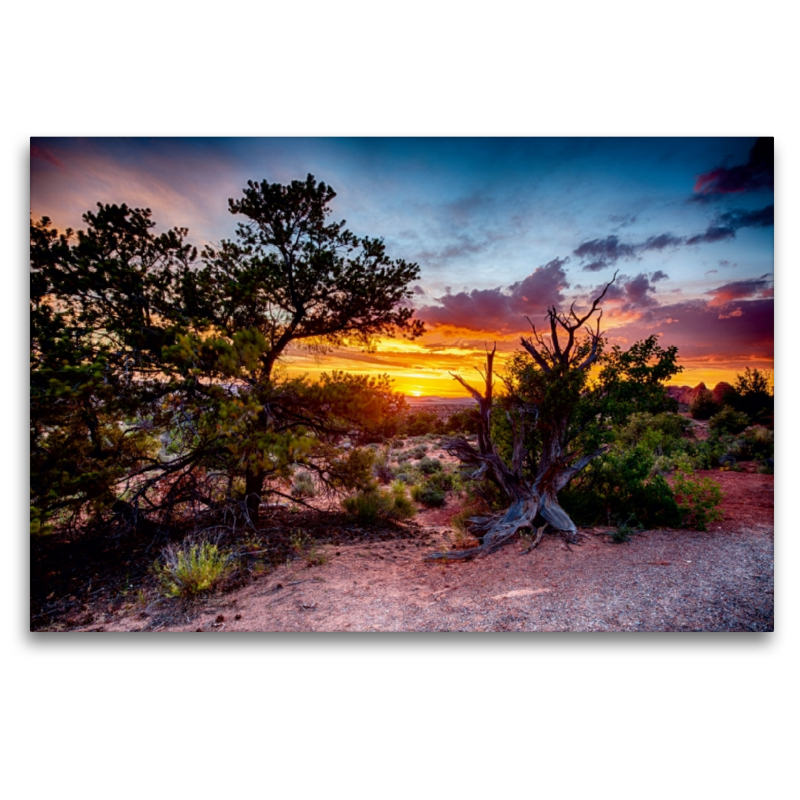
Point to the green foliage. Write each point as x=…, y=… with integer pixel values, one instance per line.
x=624, y=531
x=371, y=504
x=704, y=406
x=132, y=346
x=192, y=569
x=660, y=434
x=728, y=420
x=465, y=422
x=303, y=486
x=420, y=423
x=428, y=494
x=752, y=395
x=698, y=500
x=619, y=485
x=418, y=451
x=430, y=465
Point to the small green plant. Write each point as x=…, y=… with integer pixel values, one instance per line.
x=625, y=530
x=305, y=547
x=704, y=406
x=698, y=500
x=189, y=570
x=428, y=494
x=430, y=465
x=728, y=421
x=371, y=503
x=418, y=451
x=303, y=486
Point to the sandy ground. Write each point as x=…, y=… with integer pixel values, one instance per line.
x=662, y=580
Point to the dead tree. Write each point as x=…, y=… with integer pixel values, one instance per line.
x=562, y=365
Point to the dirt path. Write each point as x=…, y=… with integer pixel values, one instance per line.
x=721, y=580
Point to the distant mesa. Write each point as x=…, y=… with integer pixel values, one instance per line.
x=686, y=394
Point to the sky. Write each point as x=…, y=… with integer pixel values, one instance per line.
x=501, y=229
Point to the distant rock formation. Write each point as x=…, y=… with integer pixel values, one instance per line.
x=685, y=395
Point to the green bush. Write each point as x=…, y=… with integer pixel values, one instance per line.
x=418, y=451
x=698, y=500
x=430, y=465
x=704, y=406
x=188, y=571
x=372, y=503
x=621, y=485
x=428, y=494
x=661, y=434
x=729, y=420
x=303, y=486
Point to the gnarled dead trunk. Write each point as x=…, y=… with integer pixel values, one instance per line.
x=529, y=500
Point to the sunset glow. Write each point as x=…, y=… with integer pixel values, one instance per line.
x=501, y=229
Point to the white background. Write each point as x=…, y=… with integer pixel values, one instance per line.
x=617, y=716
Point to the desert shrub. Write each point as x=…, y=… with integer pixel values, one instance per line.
x=464, y=422
x=661, y=434
x=619, y=485
x=625, y=530
x=752, y=395
x=418, y=423
x=698, y=500
x=441, y=480
x=704, y=406
x=428, y=494
x=430, y=465
x=729, y=420
x=191, y=569
x=381, y=469
x=418, y=451
x=306, y=548
x=372, y=503
x=303, y=486
x=760, y=441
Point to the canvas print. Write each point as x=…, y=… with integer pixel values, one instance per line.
x=401, y=384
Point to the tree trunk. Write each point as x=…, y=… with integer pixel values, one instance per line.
x=254, y=484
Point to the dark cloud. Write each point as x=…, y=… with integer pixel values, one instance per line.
x=726, y=263
x=659, y=275
x=726, y=225
x=501, y=309
x=606, y=252
x=738, y=290
x=660, y=242
x=757, y=173
x=713, y=233
x=627, y=294
x=738, y=218
x=740, y=330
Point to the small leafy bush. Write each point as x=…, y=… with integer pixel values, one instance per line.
x=372, y=503
x=429, y=495
x=192, y=569
x=698, y=500
x=704, y=406
x=430, y=465
x=303, y=486
x=661, y=434
x=728, y=421
x=621, y=484
x=418, y=451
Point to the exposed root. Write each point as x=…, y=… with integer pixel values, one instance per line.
x=536, y=539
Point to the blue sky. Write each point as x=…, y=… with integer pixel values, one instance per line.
x=686, y=221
